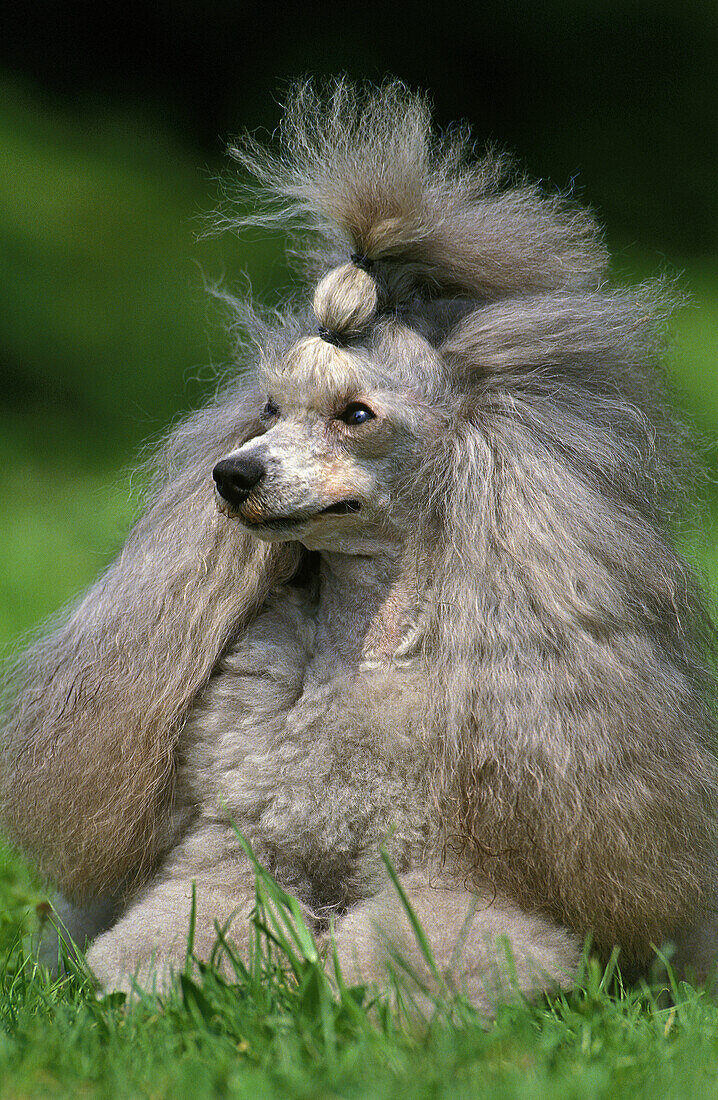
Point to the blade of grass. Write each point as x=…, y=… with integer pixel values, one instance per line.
x=414, y=921
x=189, y=953
x=282, y=906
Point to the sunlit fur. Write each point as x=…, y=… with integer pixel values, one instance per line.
x=493, y=661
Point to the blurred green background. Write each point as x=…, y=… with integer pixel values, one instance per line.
x=112, y=129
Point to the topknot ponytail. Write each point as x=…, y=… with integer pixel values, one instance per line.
x=364, y=171
x=346, y=301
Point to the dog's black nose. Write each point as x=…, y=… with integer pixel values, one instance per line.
x=236, y=477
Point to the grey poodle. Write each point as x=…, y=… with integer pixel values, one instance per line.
x=408, y=582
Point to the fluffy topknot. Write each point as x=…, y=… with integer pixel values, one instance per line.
x=363, y=170
x=345, y=301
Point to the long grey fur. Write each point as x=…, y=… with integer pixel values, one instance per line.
x=88, y=764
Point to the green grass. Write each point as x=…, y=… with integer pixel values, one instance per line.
x=280, y=1026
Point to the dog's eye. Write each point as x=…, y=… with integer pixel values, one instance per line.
x=356, y=413
x=269, y=410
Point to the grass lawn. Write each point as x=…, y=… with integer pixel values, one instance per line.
x=281, y=1028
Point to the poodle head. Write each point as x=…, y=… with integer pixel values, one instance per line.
x=339, y=442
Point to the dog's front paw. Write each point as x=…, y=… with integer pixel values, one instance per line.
x=126, y=967
x=361, y=946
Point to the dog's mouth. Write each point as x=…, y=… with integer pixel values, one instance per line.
x=339, y=508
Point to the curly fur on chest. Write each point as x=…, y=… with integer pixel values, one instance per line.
x=317, y=763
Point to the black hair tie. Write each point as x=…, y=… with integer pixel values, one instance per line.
x=330, y=337
x=361, y=261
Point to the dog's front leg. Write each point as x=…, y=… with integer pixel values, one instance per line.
x=481, y=944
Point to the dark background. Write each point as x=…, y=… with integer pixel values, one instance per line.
x=613, y=99
x=113, y=124
x=618, y=94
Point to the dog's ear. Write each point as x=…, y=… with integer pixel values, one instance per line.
x=560, y=619
x=89, y=751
